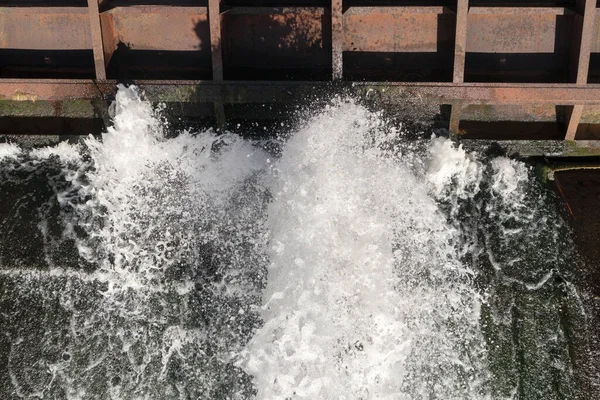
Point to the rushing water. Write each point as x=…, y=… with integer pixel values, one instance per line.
x=343, y=261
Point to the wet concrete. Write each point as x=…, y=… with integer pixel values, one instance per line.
x=579, y=190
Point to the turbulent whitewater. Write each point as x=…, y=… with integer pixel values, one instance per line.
x=339, y=261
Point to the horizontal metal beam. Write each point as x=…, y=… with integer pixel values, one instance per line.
x=398, y=10
x=43, y=10
x=520, y=11
x=275, y=10
x=270, y=91
x=142, y=9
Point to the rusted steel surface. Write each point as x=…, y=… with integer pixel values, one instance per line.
x=389, y=29
x=137, y=43
x=575, y=113
x=521, y=11
x=214, y=21
x=273, y=91
x=35, y=28
x=60, y=89
x=518, y=33
x=583, y=37
x=277, y=43
x=97, y=45
x=455, y=115
x=238, y=51
x=460, y=42
x=596, y=33
x=145, y=28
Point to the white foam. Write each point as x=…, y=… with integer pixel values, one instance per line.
x=9, y=151
x=452, y=172
x=509, y=182
x=365, y=297
x=142, y=209
x=66, y=152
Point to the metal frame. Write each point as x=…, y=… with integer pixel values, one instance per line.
x=573, y=95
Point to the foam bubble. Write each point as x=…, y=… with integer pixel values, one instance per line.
x=9, y=151
x=365, y=296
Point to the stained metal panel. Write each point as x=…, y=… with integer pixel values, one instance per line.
x=56, y=28
x=526, y=33
x=394, y=29
x=159, y=27
x=275, y=39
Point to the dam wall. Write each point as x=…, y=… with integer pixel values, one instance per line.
x=485, y=70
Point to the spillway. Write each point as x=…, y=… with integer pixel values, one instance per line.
x=345, y=258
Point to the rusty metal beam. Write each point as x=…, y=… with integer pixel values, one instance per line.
x=155, y=9
x=573, y=119
x=51, y=89
x=214, y=21
x=455, y=115
x=352, y=10
x=337, y=40
x=270, y=91
x=460, y=41
x=97, y=44
x=520, y=11
x=460, y=49
x=584, y=37
x=43, y=10
x=274, y=10
x=48, y=28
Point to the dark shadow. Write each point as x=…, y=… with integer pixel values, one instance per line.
x=511, y=130
x=276, y=46
x=406, y=66
x=50, y=126
x=128, y=64
x=51, y=64
x=192, y=116
x=588, y=132
x=516, y=67
x=594, y=72
x=399, y=67
x=442, y=119
x=525, y=67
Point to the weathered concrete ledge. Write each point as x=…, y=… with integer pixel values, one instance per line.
x=526, y=119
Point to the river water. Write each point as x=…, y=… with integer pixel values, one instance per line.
x=343, y=260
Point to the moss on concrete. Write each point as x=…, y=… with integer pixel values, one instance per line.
x=78, y=109
x=12, y=108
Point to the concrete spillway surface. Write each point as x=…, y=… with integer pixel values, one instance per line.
x=343, y=261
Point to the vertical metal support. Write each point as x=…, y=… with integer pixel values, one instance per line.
x=573, y=118
x=460, y=40
x=455, y=114
x=337, y=40
x=583, y=35
x=460, y=49
x=97, y=45
x=214, y=21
